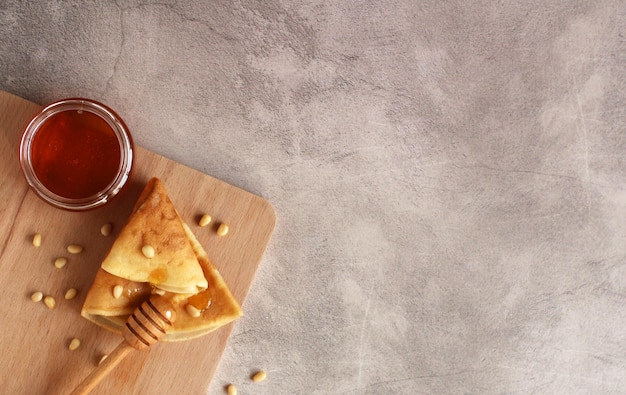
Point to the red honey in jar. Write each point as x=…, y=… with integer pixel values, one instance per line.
x=76, y=154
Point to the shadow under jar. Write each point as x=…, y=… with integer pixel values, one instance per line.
x=76, y=154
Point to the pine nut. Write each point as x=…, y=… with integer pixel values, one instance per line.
x=60, y=262
x=231, y=389
x=158, y=291
x=36, y=297
x=222, y=230
x=117, y=291
x=74, y=249
x=71, y=293
x=74, y=344
x=49, y=302
x=259, y=376
x=37, y=240
x=204, y=220
x=147, y=251
x=192, y=310
x=105, y=230
x=102, y=358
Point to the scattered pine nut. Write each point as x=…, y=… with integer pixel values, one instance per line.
x=105, y=230
x=71, y=293
x=222, y=230
x=36, y=297
x=259, y=376
x=74, y=344
x=102, y=358
x=117, y=291
x=74, y=249
x=192, y=310
x=204, y=220
x=158, y=291
x=50, y=302
x=147, y=251
x=231, y=389
x=37, y=240
x=60, y=262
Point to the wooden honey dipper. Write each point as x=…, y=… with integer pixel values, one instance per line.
x=144, y=327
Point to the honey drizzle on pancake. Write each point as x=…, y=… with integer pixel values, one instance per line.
x=202, y=300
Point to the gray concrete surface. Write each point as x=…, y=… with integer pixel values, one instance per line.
x=449, y=177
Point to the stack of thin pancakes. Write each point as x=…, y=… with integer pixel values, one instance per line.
x=180, y=270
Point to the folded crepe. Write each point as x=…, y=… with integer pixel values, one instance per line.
x=180, y=270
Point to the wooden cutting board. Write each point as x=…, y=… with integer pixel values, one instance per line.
x=34, y=339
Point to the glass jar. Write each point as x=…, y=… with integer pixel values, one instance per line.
x=76, y=154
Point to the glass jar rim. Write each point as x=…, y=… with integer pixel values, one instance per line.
x=124, y=139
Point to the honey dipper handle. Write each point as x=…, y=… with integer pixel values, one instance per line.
x=103, y=369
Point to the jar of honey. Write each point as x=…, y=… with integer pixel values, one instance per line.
x=76, y=154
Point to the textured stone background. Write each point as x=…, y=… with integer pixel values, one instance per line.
x=449, y=177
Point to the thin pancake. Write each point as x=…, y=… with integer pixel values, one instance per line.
x=155, y=222
x=216, y=303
